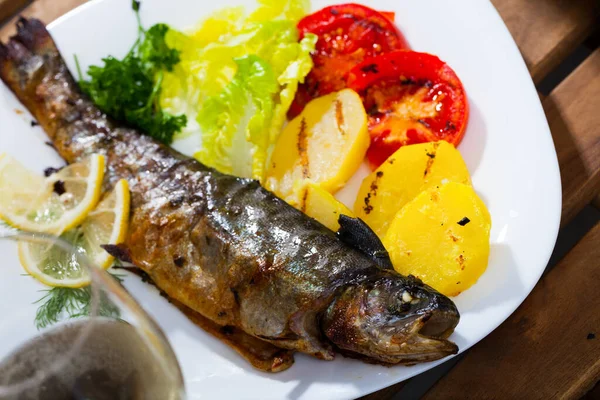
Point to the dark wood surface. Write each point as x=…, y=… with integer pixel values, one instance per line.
x=546, y=31
x=9, y=7
x=573, y=112
x=542, y=350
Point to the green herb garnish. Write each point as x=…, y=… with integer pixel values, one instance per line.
x=128, y=89
x=60, y=302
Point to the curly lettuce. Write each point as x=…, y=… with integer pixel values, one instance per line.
x=237, y=76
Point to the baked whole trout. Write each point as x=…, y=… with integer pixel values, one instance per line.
x=226, y=250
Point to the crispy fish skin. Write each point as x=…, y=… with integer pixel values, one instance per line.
x=227, y=248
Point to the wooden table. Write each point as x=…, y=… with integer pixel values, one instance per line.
x=550, y=346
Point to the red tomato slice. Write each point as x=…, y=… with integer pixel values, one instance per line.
x=348, y=34
x=389, y=15
x=410, y=98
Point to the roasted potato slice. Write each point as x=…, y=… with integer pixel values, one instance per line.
x=404, y=175
x=321, y=205
x=443, y=237
x=326, y=144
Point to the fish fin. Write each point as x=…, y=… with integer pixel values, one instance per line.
x=118, y=251
x=261, y=354
x=357, y=234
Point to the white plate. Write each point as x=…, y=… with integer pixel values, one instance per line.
x=507, y=147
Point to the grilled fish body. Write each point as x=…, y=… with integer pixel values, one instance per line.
x=225, y=247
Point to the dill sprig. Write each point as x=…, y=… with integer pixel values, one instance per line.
x=60, y=302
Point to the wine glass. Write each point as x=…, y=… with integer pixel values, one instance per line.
x=113, y=350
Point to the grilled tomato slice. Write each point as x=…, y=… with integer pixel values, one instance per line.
x=348, y=33
x=410, y=98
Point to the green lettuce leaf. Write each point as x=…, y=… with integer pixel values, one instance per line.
x=233, y=121
x=237, y=77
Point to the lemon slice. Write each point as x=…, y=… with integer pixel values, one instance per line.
x=106, y=224
x=52, y=205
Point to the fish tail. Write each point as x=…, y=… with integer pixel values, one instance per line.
x=25, y=55
x=33, y=35
x=26, y=60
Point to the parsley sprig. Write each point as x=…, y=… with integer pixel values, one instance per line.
x=128, y=90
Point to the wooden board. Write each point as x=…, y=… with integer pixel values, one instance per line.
x=9, y=7
x=573, y=112
x=549, y=348
x=45, y=10
x=546, y=31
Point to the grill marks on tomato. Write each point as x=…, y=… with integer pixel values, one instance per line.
x=411, y=108
x=372, y=68
x=414, y=105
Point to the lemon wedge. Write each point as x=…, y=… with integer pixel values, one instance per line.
x=51, y=205
x=106, y=224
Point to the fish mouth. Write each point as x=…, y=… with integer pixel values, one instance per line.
x=422, y=336
x=413, y=340
x=438, y=324
x=422, y=333
x=426, y=340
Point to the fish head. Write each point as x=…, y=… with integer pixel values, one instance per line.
x=391, y=319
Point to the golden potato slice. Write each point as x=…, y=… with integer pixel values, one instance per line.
x=319, y=204
x=404, y=175
x=443, y=237
x=326, y=143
